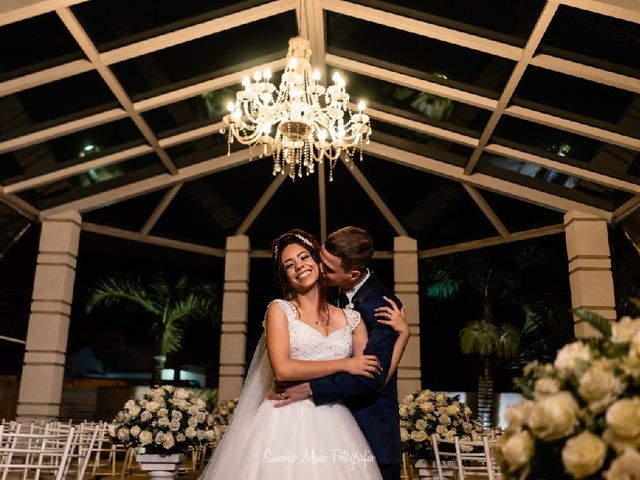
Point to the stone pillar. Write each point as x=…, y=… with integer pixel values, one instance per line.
x=405, y=267
x=590, y=275
x=44, y=358
x=235, y=302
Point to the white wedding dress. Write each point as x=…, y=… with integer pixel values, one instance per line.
x=300, y=440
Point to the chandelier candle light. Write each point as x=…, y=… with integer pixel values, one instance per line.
x=311, y=122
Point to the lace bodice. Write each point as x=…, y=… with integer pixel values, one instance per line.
x=307, y=343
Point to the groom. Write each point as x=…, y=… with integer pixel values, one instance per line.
x=345, y=256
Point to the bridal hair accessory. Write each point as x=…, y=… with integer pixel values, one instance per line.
x=304, y=240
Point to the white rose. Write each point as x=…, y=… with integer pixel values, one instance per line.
x=176, y=414
x=123, y=434
x=201, y=416
x=406, y=399
x=190, y=432
x=421, y=424
x=146, y=416
x=181, y=393
x=554, y=416
x=200, y=434
x=625, y=466
x=404, y=435
x=516, y=449
x=153, y=406
x=427, y=407
x=135, y=431
x=159, y=438
x=129, y=404
x=193, y=410
x=200, y=403
x=192, y=422
x=145, y=437
x=418, y=436
x=180, y=437
x=164, y=422
x=623, y=417
x=546, y=386
x=583, y=455
x=441, y=430
x=453, y=410
x=599, y=387
x=113, y=428
x=134, y=411
x=624, y=329
x=518, y=415
x=163, y=412
x=403, y=412
x=175, y=425
x=210, y=435
x=444, y=420
x=168, y=442
x=570, y=355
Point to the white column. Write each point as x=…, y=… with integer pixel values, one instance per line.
x=44, y=358
x=405, y=267
x=590, y=275
x=233, y=342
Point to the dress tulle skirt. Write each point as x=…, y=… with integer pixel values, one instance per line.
x=300, y=441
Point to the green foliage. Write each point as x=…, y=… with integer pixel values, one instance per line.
x=170, y=304
x=479, y=337
x=598, y=322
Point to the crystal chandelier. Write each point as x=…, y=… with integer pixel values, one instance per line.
x=311, y=122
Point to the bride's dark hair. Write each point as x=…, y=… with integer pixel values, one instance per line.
x=311, y=244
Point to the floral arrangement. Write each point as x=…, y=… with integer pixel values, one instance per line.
x=223, y=415
x=581, y=414
x=425, y=413
x=165, y=420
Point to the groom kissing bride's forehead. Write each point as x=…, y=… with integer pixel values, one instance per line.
x=345, y=256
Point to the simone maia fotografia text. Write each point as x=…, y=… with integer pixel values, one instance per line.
x=313, y=456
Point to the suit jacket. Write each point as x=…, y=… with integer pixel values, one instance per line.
x=375, y=411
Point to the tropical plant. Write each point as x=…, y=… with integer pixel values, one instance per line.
x=169, y=304
x=495, y=279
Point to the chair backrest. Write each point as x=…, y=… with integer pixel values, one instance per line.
x=445, y=456
x=34, y=453
x=83, y=443
x=473, y=459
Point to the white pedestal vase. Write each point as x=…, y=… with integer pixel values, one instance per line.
x=160, y=466
x=426, y=469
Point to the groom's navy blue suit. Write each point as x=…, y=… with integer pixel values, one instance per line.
x=375, y=410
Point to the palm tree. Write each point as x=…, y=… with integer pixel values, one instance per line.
x=170, y=304
x=492, y=279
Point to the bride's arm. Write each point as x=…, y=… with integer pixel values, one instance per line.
x=394, y=318
x=286, y=369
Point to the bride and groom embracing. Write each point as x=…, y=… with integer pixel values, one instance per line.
x=320, y=397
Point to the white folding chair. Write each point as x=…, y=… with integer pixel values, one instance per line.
x=445, y=458
x=82, y=445
x=34, y=453
x=490, y=446
x=473, y=459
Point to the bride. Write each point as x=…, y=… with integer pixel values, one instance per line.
x=305, y=338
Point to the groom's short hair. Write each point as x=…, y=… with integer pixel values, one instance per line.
x=352, y=245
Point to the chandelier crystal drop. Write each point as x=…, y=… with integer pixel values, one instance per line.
x=301, y=122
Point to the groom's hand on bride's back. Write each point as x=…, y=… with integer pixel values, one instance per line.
x=287, y=393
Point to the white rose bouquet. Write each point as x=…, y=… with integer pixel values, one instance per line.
x=424, y=413
x=164, y=420
x=581, y=415
x=223, y=415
